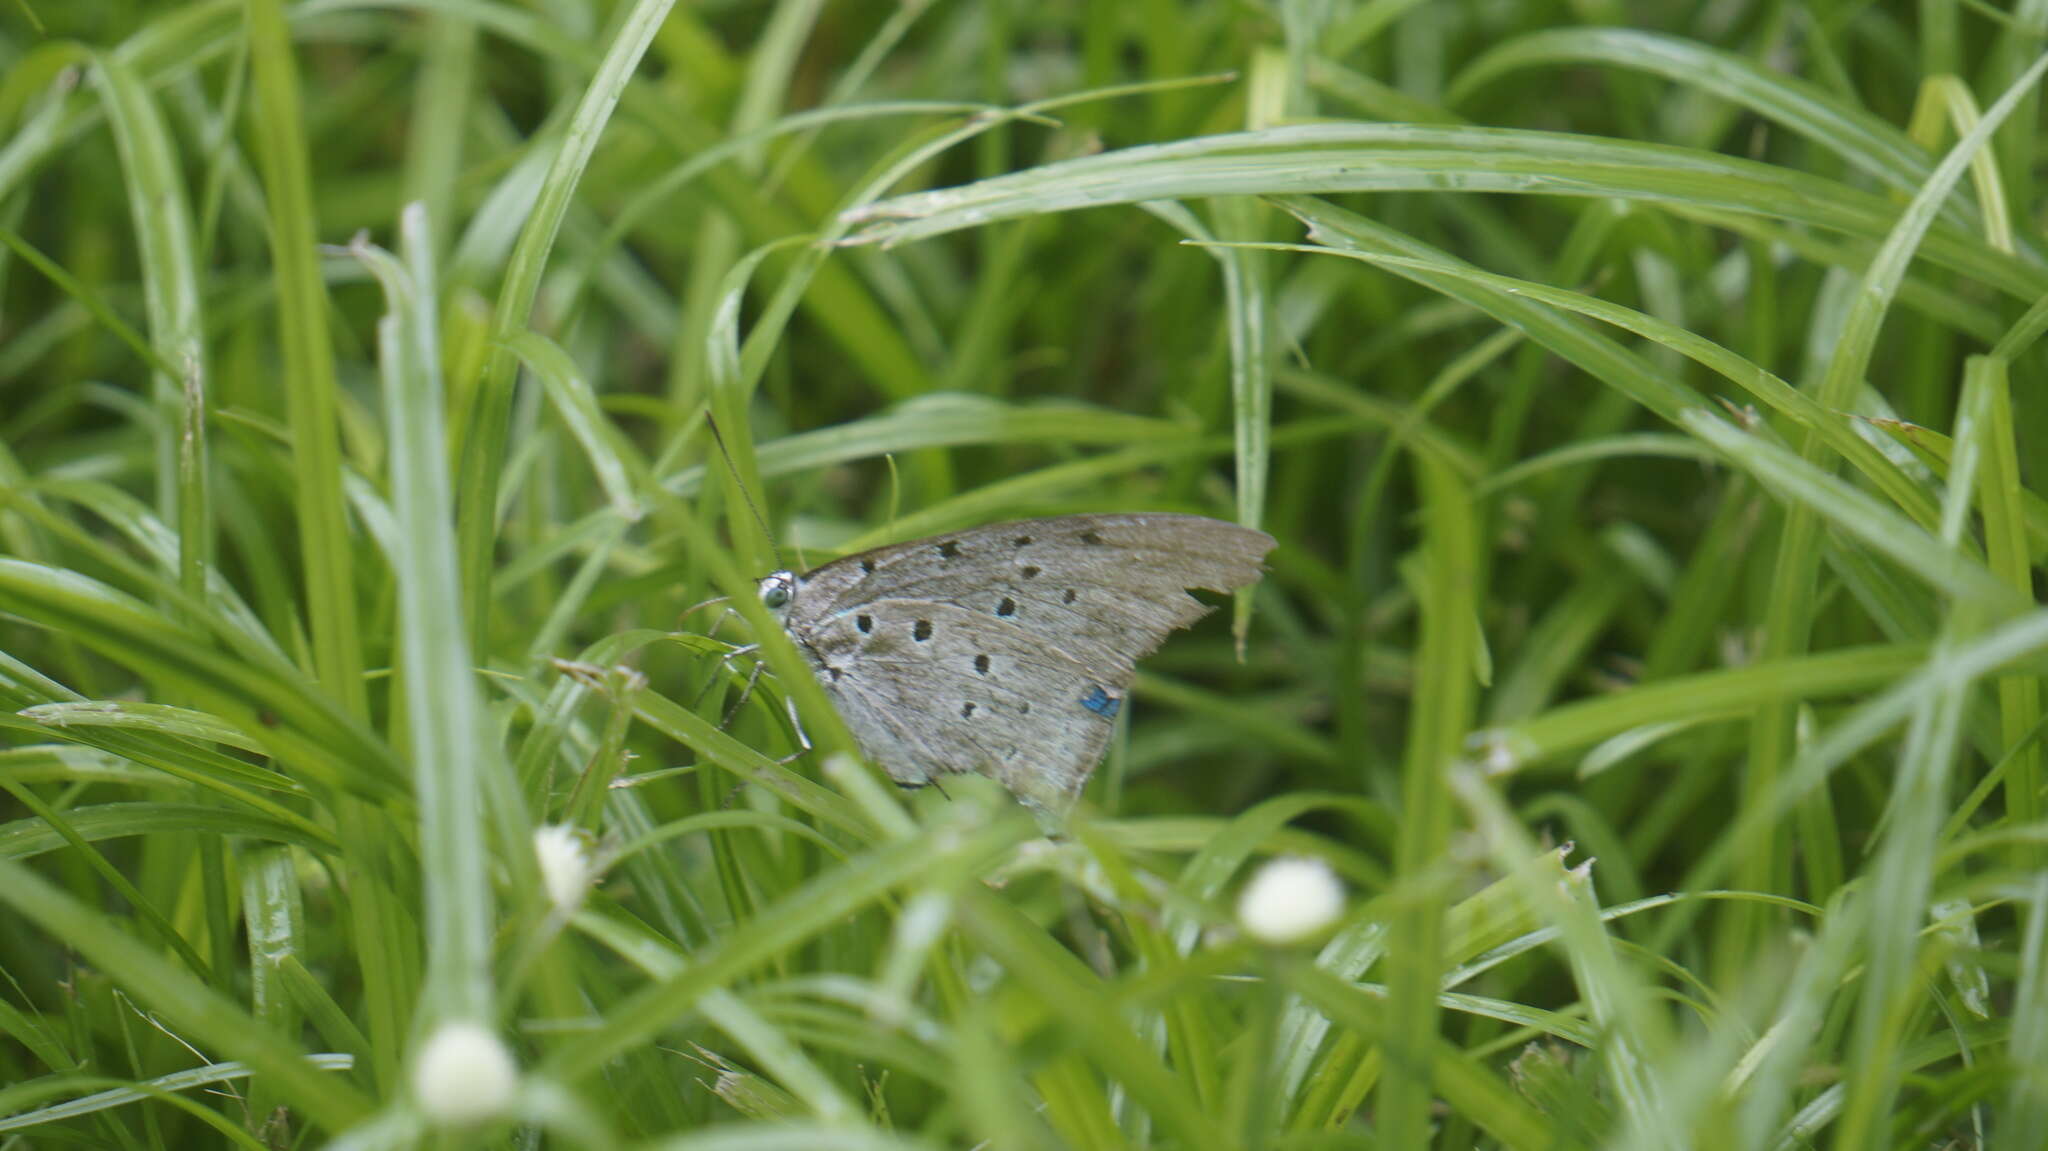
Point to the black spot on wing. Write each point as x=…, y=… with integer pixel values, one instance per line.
x=922, y=631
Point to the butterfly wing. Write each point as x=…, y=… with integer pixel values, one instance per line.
x=1008, y=649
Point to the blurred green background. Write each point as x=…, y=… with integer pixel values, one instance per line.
x=1645, y=398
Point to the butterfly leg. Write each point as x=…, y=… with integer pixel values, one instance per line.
x=718, y=670
x=803, y=738
x=728, y=613
x=746, y=693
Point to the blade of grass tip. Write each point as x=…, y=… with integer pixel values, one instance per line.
x=132, y=1091
x=778, y=1056
x=196, y=1010
x=41, y=834
x=1062, y=986
x=219, y=611
x=1790, y=608
x=2024, y=331
x=989, y=1088
x=2016, y=643
x=1636, y=1034
x=1931, y=448
x=1949, y=94
x=275, y=918
x=1466, y=1085
x=1859, y=137
x=1853, y=512
x=654, y=195
x=1729, y=693
x=823, y=902
x=42, y=130
x=732, y=388
x=176, y=759
x=574, y=598
x=162, y=1087
x=1447, y=584
x=1768, y=1075
x=309, y=733
x=452, y=746
x=770, y=62
x=886, y=173
x=2018, y=39
x=959, y=421
x=307, y=360
x=1331, y=1083
x=769, y=67
x=1900, y=881
x=1329, y=158
x=612, y=457
x=440, y=109
x=484, y=441
x=111, y=875
x=163, y=229
x=1901, y=877
x=1340, y=231
x=2027, y=1108
x=87, y=298
x=2000, y=496
x=165, y=242
x=1762, y=385
x=225, y=166
x=1248, y=316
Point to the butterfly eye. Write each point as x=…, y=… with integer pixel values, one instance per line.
x=775, y=595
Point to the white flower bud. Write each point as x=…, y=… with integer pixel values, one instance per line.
x=1290, y=900
x=564, y=864
x=463, y=1074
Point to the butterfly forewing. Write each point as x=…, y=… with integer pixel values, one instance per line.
x=1008, y=649
x=1098, y=578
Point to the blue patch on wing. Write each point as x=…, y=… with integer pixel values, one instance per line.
x=1101, y=702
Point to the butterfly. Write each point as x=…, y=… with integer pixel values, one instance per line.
x=1008, y=649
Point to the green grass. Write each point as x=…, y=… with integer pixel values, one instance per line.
x=1649, y=411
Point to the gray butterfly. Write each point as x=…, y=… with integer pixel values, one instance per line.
x=1007, y=649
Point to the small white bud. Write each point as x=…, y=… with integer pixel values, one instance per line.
x=1290, y=900
x=564, y=864
x=463, y=1074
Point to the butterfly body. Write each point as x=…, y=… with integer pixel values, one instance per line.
x=1006, y=649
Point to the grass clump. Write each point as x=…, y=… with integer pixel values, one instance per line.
x=1646, y=409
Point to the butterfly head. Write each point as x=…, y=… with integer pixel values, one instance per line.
x=778, y=591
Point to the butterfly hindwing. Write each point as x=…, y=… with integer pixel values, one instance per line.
x=928, y=690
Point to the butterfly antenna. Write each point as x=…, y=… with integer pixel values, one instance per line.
x=740, y=483
x=700, y=606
